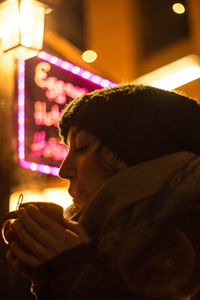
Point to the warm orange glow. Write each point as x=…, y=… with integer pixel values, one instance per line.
x=174, y=74
x=48, y=10
x=56, y=195
x=178, y=8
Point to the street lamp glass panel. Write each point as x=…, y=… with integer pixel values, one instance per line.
x=32, y=24
x=9, y=25
x=22, y=27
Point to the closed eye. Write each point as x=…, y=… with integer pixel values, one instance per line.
x=81, y=148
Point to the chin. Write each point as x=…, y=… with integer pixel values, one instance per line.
x=80, y=202
x=77, y=202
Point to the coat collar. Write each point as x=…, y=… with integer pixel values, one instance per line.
x=129, y=188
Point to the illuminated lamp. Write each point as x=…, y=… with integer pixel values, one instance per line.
x=22, y=27
x=173, y=75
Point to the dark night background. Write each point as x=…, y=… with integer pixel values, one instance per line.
x=158, y=30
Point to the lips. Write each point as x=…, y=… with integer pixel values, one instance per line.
x=76, y=195
x=74, y=191
x=70, y=191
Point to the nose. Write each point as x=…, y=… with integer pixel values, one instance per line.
x=66, y=170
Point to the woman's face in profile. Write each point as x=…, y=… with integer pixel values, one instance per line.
x=83, y=165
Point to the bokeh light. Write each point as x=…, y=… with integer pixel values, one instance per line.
x=178, y=8
x=89, y=56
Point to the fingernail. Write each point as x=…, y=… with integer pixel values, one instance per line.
x=16, y=223
x=21, y=212
x=32, y=207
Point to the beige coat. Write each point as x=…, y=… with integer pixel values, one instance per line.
x=145, y=225
x=141, y=218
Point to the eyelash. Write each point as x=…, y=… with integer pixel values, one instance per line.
x=81, y=148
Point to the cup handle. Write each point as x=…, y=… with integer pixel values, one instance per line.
x=3, y=221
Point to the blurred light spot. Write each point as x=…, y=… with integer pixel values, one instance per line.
x=33, y=167
x=21, y=138
x=54, y=171
x=53, y=60
x=21, y=155
x=65, y=65
x=21, y=149
x=42, y=54
x=21, y=86
x=178, y=8
x=21, y=120
x=96, y=79
x=89, y=56
x=21, y=102
x=47, y=169
x=21, y=131
x=86, y=74
x=48, y=10
x=75, y=70
x=105, y=83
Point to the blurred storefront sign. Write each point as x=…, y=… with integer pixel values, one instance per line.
x=46, y=84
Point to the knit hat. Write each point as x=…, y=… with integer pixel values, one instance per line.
x=137, y=122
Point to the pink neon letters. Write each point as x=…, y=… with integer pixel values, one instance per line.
x=56, y=90
x=37, y=136
x=50, y=148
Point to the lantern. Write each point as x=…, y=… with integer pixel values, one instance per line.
x=22, y=27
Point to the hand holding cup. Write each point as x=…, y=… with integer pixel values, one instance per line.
x=41, y=235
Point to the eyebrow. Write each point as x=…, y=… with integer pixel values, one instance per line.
x=74, y=134
x=75, y=131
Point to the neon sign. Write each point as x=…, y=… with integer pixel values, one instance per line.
x=46, y=84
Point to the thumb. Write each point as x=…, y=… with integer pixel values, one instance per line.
x=78, y=229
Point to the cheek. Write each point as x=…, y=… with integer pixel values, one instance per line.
x=92, y=171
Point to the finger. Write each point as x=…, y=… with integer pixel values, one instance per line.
x=48, y=224
x=24, y=257
x=20, y=267
x=78, y=229
x=10, y=235
x=32, y=245
x=39, y=233
x=11, y=258
x=71, y=239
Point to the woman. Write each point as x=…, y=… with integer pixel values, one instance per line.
x=133, y=172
